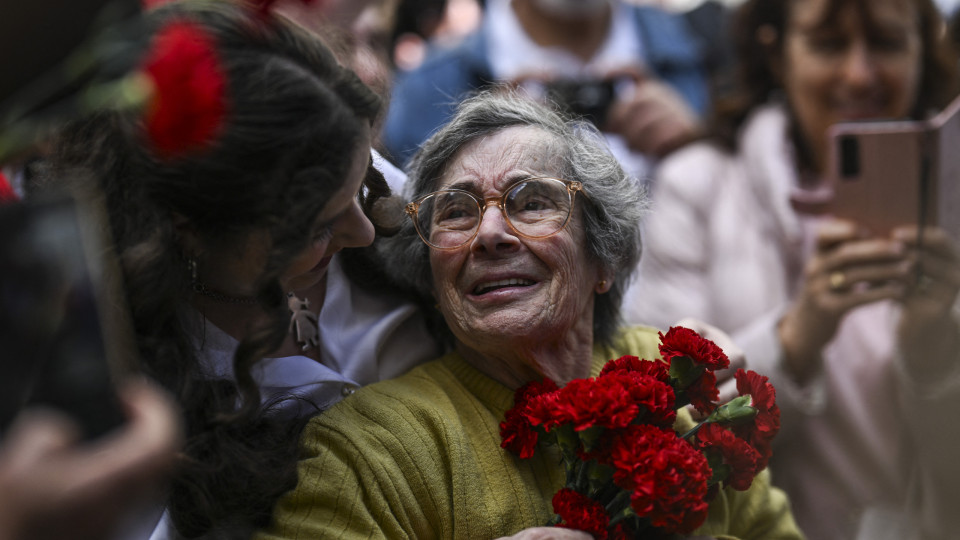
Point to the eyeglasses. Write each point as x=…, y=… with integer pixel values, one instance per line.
x=533, y=208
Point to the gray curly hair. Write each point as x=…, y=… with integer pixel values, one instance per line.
x=612, y=211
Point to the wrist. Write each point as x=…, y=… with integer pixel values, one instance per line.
x=802, y=357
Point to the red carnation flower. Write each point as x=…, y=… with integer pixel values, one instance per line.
x=187, y=109
x=680, y=341
x=516, y=433
x=533, y=389
x=703, y=393
x=765, y=425
x=584, y=403
x=581, y=512
x=667, y=476
x=742, y=459
x=7, y=194
x=650, y=368
x=655, y=398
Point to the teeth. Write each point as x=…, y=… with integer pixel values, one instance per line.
x=486, y=287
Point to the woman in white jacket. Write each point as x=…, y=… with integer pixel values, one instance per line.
x=857, y=350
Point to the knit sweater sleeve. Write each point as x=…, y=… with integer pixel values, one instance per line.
x=360, y=477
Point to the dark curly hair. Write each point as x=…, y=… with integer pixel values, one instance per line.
x=294, y=122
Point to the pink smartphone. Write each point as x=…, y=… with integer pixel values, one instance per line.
x=890, y=173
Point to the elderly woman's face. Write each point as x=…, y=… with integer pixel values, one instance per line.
x=501, y=285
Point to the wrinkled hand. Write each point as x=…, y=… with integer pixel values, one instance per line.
x=549, y=533
x=847, y=270
x=654, y=119
x=54, y=486
x=928, y=332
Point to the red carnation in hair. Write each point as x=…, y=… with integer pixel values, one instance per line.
x=7, y=194
x=187, y=108
x=581, y=512
x=680, y=341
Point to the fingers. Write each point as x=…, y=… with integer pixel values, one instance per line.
x=847, y=262
x=143, y=449
x=154, y=429
x=654, y=120
x=549, y=533
x=834, y=232
x=35, y=434
x=937, y=258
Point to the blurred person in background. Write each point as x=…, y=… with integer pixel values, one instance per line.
x=859, y=350
x=226, y=250
x=636, y=71
x=53, y=483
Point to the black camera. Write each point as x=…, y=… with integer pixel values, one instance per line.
x=590, y=99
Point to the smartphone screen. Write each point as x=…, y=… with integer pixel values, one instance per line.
x=51, y=331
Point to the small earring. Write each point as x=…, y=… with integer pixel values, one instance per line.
x=192, y=268
x=602, y=286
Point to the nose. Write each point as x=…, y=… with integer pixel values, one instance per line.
x=354, y=228
x=493, y=233
x=860, y=68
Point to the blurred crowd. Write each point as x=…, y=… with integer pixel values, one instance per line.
x=311, y=320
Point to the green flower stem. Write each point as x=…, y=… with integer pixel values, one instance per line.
x=693, y=431
x=128, y=93
x=583, y=476
x=732, y=412
x=619, y=508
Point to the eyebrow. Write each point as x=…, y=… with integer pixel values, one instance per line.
x=471, y=185
x=464, y=185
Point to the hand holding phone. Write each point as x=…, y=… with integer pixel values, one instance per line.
x=52, y=318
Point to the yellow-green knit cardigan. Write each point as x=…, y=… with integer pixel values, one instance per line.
x=419, y=457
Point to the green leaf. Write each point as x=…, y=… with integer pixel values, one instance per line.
x=735, y=411
x=685, y=371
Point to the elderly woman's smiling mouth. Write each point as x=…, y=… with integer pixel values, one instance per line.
x=501, y=285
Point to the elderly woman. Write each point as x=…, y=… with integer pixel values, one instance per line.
x=525, y=296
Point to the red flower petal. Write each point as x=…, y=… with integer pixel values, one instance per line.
x=517, y=434
x=657, y=370
x=744, y=461
x=187, y=108
x=680, y=341
x=6, y=191
x=581, y=512
x=667, y=475
x=765, y=425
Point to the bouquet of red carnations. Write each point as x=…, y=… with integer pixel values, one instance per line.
x=628, y=473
